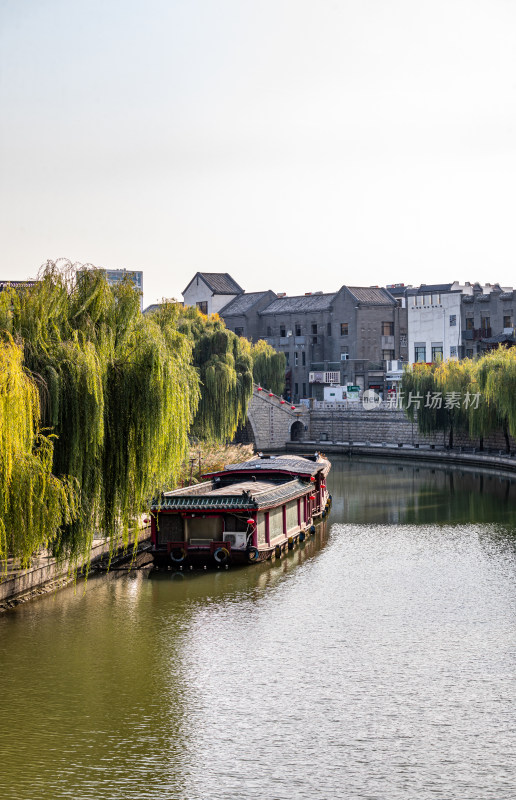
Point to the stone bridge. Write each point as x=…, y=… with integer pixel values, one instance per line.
x=272, y=422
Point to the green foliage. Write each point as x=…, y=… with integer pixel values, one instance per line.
x=493, y=376
x=34, y=504
x=117, y=389
x=268, y=367
x=224, y=365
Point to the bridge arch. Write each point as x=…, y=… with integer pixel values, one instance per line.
x=271, y=420
x=297, y=430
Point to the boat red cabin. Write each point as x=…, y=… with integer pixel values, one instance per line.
x=245, y=513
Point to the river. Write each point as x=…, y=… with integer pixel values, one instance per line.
x=378, y=662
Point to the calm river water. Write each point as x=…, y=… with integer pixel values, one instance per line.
x=378, y=662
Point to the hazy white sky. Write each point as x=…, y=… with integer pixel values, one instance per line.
x=298, y=145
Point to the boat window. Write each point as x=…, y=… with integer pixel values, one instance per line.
x=203, y=528
x=170, y=528
x=275, y=522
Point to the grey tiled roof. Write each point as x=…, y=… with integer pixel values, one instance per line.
x=263, y=496
x=371, y=295
x=432, y=287
x=299, y=465
x=506, y=295
x=242, y=303
x=292, y=305
x=221, y=282
x=499, y=338
x=483, y=298
x=151, y=308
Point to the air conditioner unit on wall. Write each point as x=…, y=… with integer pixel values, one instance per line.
x=238, y=541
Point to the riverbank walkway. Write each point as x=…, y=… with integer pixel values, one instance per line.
x=47, y=574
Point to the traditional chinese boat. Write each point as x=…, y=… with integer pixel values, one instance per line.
x=246, y=513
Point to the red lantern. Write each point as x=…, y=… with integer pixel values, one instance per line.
x=259, y=389
x=282, y=402
x=312, y=497
x=250, y=521
x=312, y=478
x=146, y=521
x=271, y=394
x=293, y=408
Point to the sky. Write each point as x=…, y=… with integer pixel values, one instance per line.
x=297, y=145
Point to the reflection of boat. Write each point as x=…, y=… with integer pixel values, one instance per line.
x=246, y=513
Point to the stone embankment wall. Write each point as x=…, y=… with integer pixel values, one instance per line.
x=383, y=426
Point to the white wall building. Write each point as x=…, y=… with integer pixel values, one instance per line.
x=434, y=322
x=211, y=291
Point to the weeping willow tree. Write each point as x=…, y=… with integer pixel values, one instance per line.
x=118, y=390
x=418, y=385
x=224, y=364
x=268, y=367
x=434, y=394
x=478, y=397
x=496, y=379
x=34, y=503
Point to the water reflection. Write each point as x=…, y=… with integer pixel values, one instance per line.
x=368, y=490
x=377, y=661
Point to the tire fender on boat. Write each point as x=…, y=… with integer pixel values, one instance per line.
x=312, y=529
x=290, y=542
x=302, y=536
x=221, y=555
x=277, y=551
x=253, y=554
x=177, y=559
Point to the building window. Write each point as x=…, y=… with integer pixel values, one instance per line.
x=303, y=358
x=428, y=300
x=296, y=389
x=469, y=323
x=485, y=323
x=387, y=328
x=239, y=331
x=344, y=328
x=296, y=358
x=304, y=389
x=387, y=355
x=202, y=305
x=287, y=357
x=469, y=353
x=282, y=331
x=436, y=299
x=419, y=352
x=453, y=320
x=507, y=321
x=269, y=330
x=453, y=351
x=314, y=328
x=298, y=329
x=437, y=352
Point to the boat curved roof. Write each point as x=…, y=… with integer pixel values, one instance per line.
x=289, y=464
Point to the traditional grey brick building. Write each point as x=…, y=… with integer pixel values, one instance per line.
x=361, y=336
